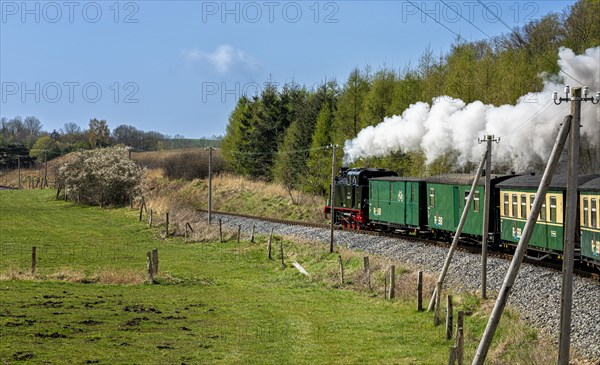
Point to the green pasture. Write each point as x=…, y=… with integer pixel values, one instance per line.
x=211, y=303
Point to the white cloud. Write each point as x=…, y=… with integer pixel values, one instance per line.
x=223, y=58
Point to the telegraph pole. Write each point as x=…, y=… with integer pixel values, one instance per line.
x=570, y=221
x=515, y=264
x=332, y=197
x=210, y=149
x=486, y=213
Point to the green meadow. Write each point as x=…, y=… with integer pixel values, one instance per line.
x=89, y=300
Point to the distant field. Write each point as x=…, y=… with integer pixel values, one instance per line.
x=213, y=303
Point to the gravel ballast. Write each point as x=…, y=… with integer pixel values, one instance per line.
x=535, y=295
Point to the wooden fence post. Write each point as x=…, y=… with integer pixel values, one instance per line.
x=155, y=261
x=449, y=317
x=150, y=269
x=252, y=236
x=269, y=245
x=185, y=235
x=367, y=271
x=392, y=282
x=341, y=269
x=385, y=288
x=150, y=219
x=452, y=356
x=33, y=259
x=281, y=252
x=220, y=230
x=141, y=211
x=420, y=291
x=436, y=313
x=167, y=224
x=460, y=340
x=188, y=228
x=239, y=233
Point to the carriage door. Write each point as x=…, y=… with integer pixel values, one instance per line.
x=457, y=200
x=411, y=209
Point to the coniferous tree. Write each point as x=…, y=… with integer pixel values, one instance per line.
x=348, y=115
x=319, y=163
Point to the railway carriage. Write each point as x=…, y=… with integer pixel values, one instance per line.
x=589, y=210
x=397, y=203
x=516, y=199
x=446, y=199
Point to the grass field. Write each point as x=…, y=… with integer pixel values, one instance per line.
x=89, y=302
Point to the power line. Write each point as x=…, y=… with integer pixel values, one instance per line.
x=465, y=19
x=521, y=41
x=274, y=152
x=435, y=20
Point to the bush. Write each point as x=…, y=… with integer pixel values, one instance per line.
x=101, y=177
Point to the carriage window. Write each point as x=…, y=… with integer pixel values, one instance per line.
x=506, y=205
x=466, y=198
x=543, y=211
x=514, y=205
x=552, y=209
x=523, y=206
x=476, y=201
x=594, y=219
x=531, y=200
x=431, y=197
x=585, y=212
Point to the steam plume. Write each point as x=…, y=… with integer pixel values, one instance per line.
x=527, y=129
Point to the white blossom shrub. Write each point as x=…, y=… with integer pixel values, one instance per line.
x=102, y=177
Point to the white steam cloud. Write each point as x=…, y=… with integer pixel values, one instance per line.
x=527, y=129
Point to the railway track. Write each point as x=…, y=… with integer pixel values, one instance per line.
x=468, y=248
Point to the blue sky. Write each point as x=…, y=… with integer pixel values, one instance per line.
x=178, y=67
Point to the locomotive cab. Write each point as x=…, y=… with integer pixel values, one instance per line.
x=351, y=196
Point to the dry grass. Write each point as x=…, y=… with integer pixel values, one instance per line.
x=16, y=274
x=119, y=277
x=106, y=276
x=231, y=194
x=31, y=177
x=183, y=163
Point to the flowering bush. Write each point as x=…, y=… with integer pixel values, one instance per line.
x=102, y=177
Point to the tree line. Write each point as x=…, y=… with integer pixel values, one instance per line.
x=280, y=133
x=25, y=138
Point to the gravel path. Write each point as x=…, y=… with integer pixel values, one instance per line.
x=536, y=294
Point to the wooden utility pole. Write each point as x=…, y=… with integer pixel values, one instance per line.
x=459, y=229
x=486, y=214
x=332, y=197
x=19, y=168
x=210, y=149
x=515, y=264
x=564, y=338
